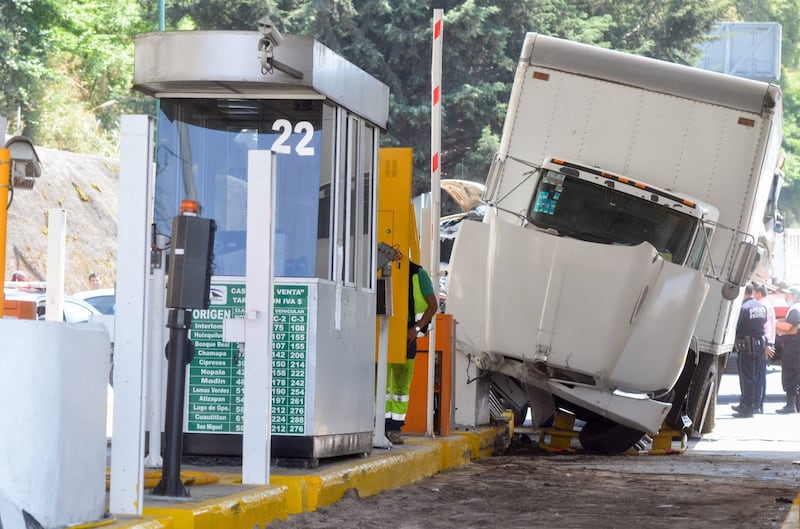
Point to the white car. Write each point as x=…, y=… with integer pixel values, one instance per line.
x=75, y=310
x=103, y=299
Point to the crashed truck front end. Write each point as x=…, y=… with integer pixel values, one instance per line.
x=578, y=301
x=603, y=327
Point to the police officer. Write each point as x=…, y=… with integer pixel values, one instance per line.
x=789, y=340
x=750, y=347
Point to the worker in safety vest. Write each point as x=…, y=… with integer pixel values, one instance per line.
x=422, y=303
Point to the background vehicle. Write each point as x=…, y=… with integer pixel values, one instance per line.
x=103, y=299
x=622, y=214
x=75, y=310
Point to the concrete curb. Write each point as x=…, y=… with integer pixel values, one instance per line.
x=247, y=507
x=793, y=516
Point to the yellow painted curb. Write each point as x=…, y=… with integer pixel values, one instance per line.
x=309, y=492
x=793, y=516
x=248, y=509
x=295, y=493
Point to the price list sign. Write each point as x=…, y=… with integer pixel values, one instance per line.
x=216, y=374
x=289, y=359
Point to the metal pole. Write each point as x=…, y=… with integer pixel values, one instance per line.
x=178, y=356
x=436, y=168
x=155, y=384
x=379, y=439
x=260, y=259
x=56, y=263
x=5, y=181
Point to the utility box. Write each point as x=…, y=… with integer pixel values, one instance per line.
x=443, y=405
x=190, y=263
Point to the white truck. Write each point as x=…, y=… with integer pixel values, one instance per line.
x=624, y=213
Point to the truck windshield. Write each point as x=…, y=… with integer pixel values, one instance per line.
x=597, y=212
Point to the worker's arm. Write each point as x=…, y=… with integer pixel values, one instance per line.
x=789, y=324
x=430, y=312
x=426, y=318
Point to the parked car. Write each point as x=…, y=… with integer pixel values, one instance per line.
x=103, y=299
x=75, y=310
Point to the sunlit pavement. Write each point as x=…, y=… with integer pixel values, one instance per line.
x=769, y=435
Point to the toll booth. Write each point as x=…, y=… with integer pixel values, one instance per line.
x=221, y=94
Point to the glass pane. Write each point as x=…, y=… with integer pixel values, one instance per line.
x=325, y=235
x=597, y=213
x=368, y=152
x=352, y=200
x=202, y=153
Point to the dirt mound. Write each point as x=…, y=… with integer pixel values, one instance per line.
x=87, y=188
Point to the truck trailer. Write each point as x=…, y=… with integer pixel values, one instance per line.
x=626, y=208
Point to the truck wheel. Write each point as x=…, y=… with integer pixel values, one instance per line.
x=607, y=437
x=702, y=396
x=678, y=396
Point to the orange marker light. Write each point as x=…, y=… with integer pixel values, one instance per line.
x=189, y=207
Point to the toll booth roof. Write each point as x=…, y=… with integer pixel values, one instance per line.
x=224, y=64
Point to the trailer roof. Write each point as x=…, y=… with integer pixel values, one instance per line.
x=651, y=74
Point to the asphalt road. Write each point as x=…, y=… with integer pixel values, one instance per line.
x=743, y=475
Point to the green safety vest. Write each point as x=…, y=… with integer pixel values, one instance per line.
x=416, y=301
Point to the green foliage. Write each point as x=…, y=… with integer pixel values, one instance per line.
x=23, y=34
x=69, y=69
x=786, y=12
x=69, y=123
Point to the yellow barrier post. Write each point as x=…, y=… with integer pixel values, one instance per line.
x=5, y=182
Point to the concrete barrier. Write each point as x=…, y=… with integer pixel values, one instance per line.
x=53, y=447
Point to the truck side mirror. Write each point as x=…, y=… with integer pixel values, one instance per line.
x=744, y=263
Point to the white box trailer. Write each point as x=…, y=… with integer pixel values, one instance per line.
x=624, y=208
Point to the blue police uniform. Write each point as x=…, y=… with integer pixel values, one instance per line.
x=790, y=362
x=750, y=347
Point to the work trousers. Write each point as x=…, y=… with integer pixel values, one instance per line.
x=761, y=381
x=790, y=379
x=750, y=360
x=398, y=387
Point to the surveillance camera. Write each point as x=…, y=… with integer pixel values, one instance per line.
x=270, y=32
x=25, y=163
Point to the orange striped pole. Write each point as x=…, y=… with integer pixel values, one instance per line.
x=436, y=169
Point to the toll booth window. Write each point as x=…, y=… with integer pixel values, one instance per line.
x=582, y=209
x=369, y=143
x=202, y=153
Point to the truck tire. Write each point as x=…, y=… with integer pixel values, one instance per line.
x=678, y=397
x=702, y=397
x=607, y=437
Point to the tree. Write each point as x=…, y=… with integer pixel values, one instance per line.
x=23, y=34
x=69, y=69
